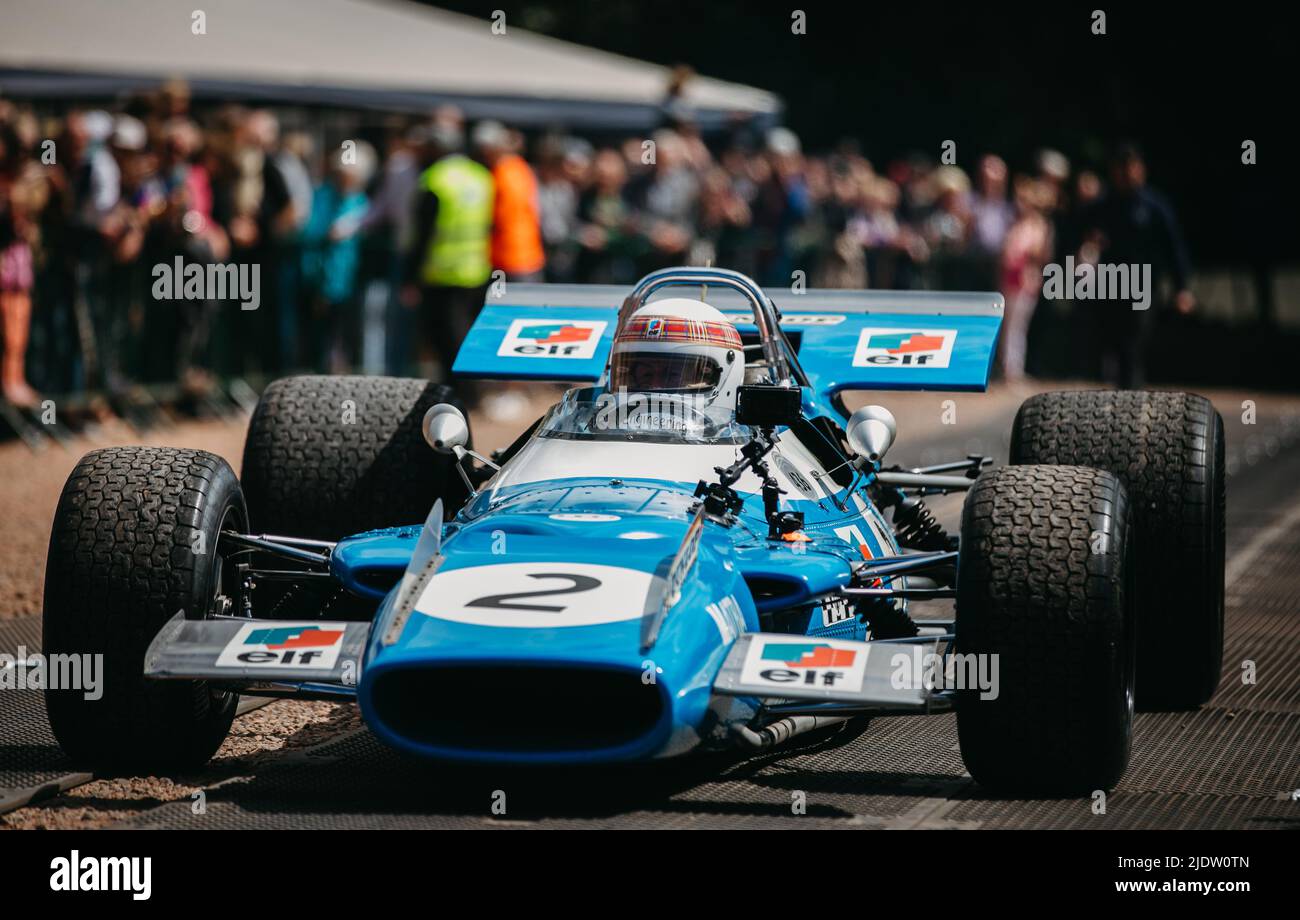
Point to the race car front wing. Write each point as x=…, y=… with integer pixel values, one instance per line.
x=833, y=674
x=263, y=657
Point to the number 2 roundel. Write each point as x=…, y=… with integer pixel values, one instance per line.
x=536, y=595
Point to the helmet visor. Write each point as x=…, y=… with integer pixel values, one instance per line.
x=657, y=371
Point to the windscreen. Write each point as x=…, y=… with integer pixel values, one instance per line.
x=623, y=414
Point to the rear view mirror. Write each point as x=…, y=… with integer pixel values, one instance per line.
x=445, y=429
x=871, y=431
x=768, y=406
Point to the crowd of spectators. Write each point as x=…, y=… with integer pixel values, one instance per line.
x=91, y=200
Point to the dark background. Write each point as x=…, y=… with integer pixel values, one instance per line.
x=1189, y=83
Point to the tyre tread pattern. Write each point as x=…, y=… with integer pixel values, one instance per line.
x=329, y=456
x=1041, y=585
x=1167, y=448
x=122, y=561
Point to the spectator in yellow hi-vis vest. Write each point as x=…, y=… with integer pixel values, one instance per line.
x=449, y=264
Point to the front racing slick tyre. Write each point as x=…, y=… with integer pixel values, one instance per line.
x=329, y=456
x=134, y=542
x=1043, y=584
x=1167, y=449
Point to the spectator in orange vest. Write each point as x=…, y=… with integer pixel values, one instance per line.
x=516, y=238
x=516, y=226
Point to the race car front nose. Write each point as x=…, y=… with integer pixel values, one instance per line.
x=518, y=711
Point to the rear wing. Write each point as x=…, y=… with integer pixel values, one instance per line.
x=542, y=332
x=844, y=340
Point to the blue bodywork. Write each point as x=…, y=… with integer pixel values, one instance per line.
x=692, y=643
x=435, y=669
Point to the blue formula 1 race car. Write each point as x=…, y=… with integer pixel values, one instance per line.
x=698, y=548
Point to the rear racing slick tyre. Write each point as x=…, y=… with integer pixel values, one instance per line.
x=135, y=541
x=1167, y=449
x=330, y=456
x=1043, y=583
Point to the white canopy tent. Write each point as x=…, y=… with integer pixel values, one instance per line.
x=384, y=54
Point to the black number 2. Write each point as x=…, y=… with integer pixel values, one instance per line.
x=580, y=583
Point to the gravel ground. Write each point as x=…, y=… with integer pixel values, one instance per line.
x=30, y=484
x=255, y=738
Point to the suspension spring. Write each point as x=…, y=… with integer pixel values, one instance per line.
x=916, y=528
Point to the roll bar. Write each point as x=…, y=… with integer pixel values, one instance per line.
x=766, y=316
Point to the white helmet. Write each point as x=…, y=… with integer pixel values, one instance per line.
x=680, y=346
